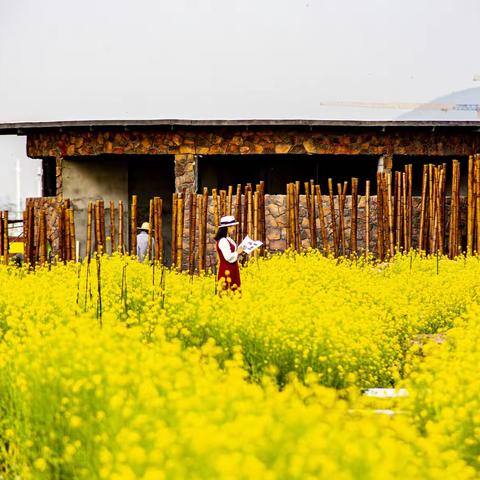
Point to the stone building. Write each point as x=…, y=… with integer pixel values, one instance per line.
x=111, y=160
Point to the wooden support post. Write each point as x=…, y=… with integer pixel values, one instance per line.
x=121, y=230
x=73, y=243
x=423, y=207
x=179, y=239
x=88, y=246
x=133, y=227
x=470, y=205
x=238, y=214
x=201, y=239
x=380, y=229
x=193, y=227
x=354, y=217
x=229, y=200
x=174, y=227
x=367, y=217
x=151, y=224
x=216, y=219
x=113, y=237
x=223, y=203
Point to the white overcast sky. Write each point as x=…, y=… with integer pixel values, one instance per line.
x=204, y=59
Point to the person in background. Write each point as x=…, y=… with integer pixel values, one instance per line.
x=228, y=271
x=142, y=241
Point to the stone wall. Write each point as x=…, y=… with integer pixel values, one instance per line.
x=254, y=140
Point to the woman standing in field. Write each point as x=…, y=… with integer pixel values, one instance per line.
x=228, y=271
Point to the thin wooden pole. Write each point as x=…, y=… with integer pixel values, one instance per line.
x=405, y=211
x=423, y=201
x=390, y=213
x=215, y=208
x=341, y=219
x=298, y=239
x=470, y=205
x=409, y=206
x=249, y=212
x=73, y=243
x=223, y=203
x=68, y=237
x=159, y=229
x=204, y=226
x=193, y=226
x=102, y=226
x=112, y=227
x=477, y=205
x=148, y=255
x=229, y=200
x=133, y=227
x=431, y=207
x=43, y=235
x=179, y=239
x=290, y=218
x=313, y=215
x=174, y=227
x=88, y=245
x=255, y=215
x=201, y=240
x=333, y=220
x=2, y=236
x=354, y=217
x=238, y=214
x=121, y=240
x=367, y=217
x=398, y=210
x=98, y=235
x=380, y=230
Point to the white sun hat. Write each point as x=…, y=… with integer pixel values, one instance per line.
x=228, y=221
x=145, y=226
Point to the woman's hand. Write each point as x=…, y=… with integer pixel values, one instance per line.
x=240, y=250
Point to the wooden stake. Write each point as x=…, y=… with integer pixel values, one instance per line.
x=423, y=205
x=470, y=205
x=112, y=227
x=43, y=237
x=341, y=221
x=390, y=214
x=193, y=217
x=215, y=208
x=229, y=200
x=133, y=228
x=354, y=217
x=174, y=227
x=73, y=244
x=180, y=214
x=367, y=217
x=121, y=240
x=204, y=226
x=158, y=214
x=380, y=230
x=313, y=215
x=223, y=203
x=201, y=240
x=238, y=214
x=88, y=245
x=148, y=255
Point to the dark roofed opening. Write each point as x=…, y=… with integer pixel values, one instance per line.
x=219, y=171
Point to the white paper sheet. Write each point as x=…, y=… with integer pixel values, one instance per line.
x=250, y=245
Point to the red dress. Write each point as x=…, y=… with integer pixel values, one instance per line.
x=229, y=271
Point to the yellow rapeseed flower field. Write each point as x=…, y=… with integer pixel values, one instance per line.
x=121, y=370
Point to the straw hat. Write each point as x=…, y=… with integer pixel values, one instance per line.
x=145, y=227
x=228, y=221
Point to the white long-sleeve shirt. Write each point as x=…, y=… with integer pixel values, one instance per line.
x=224, y=246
